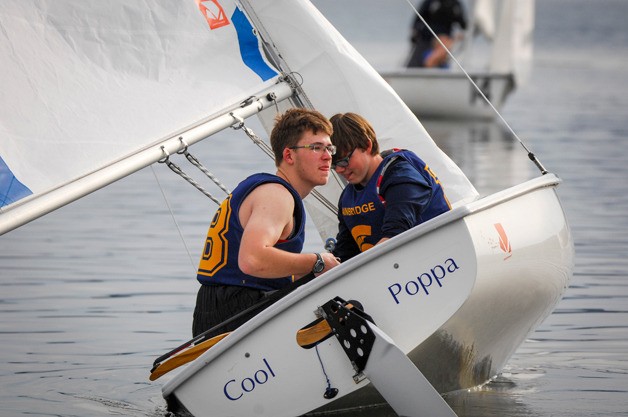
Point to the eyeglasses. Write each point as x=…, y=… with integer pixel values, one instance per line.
x=343, y=162
x=317, y=147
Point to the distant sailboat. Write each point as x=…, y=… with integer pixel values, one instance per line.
x=94, y=91
x=497, y=54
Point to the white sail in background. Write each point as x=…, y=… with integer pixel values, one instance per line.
x=483, y=17
x=86, y=84
x=509, y=25
x=512, y=51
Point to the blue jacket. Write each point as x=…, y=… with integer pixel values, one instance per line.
x=402, y=193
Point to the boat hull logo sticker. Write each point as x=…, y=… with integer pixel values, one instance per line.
x=504, y=243
x=213, y=13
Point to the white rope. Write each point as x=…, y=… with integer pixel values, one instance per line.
x=174, y=220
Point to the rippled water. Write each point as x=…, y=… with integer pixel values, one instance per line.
x=93, y=292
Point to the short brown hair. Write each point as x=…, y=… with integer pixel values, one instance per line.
x=290, y=126
x=351, y=131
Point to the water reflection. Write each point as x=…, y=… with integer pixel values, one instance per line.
x=505, y=396
x=486, y=151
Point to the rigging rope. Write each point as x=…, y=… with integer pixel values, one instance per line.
x=200, y=166
x=479, y=90
x=239, y=124
x=194, y=161
x=176, y=169
x=173, y=218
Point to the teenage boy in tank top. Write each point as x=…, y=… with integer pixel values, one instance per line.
x=255, y=239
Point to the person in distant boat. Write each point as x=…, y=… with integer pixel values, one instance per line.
x=255, y=239
x=387, y=193
x=441, y=16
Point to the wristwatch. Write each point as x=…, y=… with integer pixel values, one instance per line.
x=319, y=265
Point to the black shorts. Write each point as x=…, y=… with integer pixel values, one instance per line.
x=217, y=303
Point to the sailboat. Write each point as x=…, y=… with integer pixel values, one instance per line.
x=496, y=53
x=95, y=91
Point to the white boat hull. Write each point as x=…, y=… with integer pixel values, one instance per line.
x=511, y=282
x=443, y=93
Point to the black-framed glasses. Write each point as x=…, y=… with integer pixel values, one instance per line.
x=343, y=162
x=317, y=147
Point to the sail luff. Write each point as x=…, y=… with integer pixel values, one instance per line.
x=29, y=209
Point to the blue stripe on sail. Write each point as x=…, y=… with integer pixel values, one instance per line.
x=249, y=49
x=11, y=189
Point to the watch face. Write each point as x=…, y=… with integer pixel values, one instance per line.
x=319, y=265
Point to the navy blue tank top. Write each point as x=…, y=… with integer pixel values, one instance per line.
x=219, y=260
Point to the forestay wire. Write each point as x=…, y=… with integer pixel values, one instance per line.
x=531, y=155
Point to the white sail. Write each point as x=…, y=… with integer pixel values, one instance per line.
x=87, y=84
x=514, y=41
x=483, y=17
x=94, y=83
